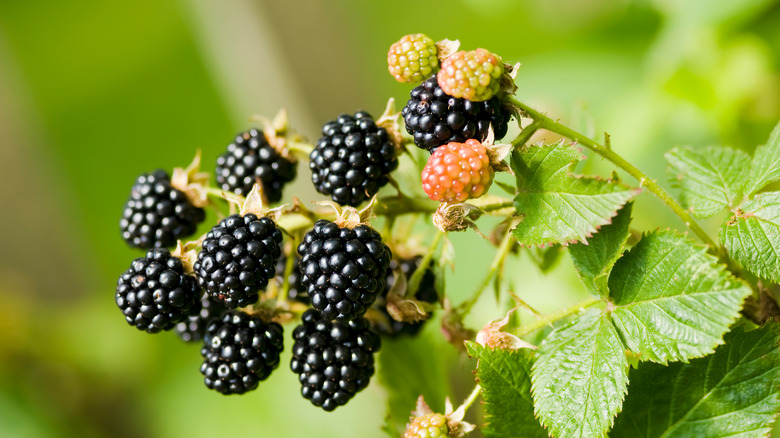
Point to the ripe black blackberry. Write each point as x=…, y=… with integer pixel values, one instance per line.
x=239, y=351
x=343, y=269
x=333, y=360
x=154, y=293
x=426, y=292
x=157, y=214
x=250, y=159
x=433, y=118
x=352, y=159
x=193, y=327
x=238, y=258
x=296, y=291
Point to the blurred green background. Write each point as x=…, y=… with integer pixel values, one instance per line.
x=92, y=93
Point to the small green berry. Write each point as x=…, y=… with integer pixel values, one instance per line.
x=427, y=426
x=413, y=58
x=474, y=75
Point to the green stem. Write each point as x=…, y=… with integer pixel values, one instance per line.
x=470, y=400
x=526, y=133
x=556, y=316
x=414, y=281
x=553, y=126
x=503, y=250
x=497, y=206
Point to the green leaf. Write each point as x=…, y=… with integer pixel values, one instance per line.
x=505, y=378
x=559, y=207
x=409, y=368
x=766, y=163
x=710, y=179
x=734, y=392
x=594, y=259
x=545, y=258
x=673, y=301
x=752, y=236
x=580, y=377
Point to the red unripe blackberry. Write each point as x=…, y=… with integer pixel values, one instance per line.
x=154, y=293
x=250, y=159
x=413, y=58
x=333, y=360
x=426, y=292
x=238, y=258
x=192, y=328
x=343, y=269
x=433, y=118
x=239, y=351
x=352, y=159
x=156, y=214
x=457, y=171
x=474, y=75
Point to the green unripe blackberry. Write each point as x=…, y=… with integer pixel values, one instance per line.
x=427, y=426
x=156, y=214
x=413, y=58
x=238, y=258
x=239, y=351
x=250, y=159
x=155, y=293
x=473, y=75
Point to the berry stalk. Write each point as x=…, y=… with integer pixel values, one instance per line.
x=503, y=251
x=556, y=316
x=553, y=126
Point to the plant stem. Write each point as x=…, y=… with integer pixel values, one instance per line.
x=414, y=281
x=469, y=400
x=553, y=126
x=526, y=133
x=556, y=316
x=503, y=250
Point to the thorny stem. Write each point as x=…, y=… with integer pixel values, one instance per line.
x=556, y=316
x=503, y=250
x=526, y=133
x=553, y=126
x=414, y=281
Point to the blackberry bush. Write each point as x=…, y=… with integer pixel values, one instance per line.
x=352, y=159
x=156, y=214
x=434, y=118
x=238, y=258
x=239, y=351
x=426, y=292
x=343, y=269
x=250, y=159
x=333, y=360
x=155, y=293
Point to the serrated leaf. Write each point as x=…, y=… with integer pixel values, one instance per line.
x=731, y=393
x=559, y=207
x=409, y=368
x=752, y=236
x=766, y=163
x=594, y=260
x=709, y=179
x=580, y=377
x=673, y=301
x=505, y=378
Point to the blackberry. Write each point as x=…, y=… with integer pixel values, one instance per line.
x=456, y=172
x=333, y=360
x=154, y=293
x=193, y=328
x=343, y=269
x=238, y=258
x=156, y=214
x=250, y=159
x=426, y=292
x=433, y=118
x=474, y=75
x=413, y=58
x=239, y=351
x=296, y=291
x=352, y=159
x=427, y=426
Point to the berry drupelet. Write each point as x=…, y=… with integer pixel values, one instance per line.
x=250, y=159
x=238, y=258
x=343, y=269
x=156, y=214
x=193, y=327
x=333, y=360
x=426, y=292
x=433, y=118
x=239, y=351
x=352, y=159
x=154, y=293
